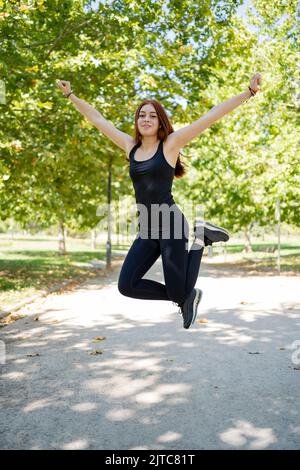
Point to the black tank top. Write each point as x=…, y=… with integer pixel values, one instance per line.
x=152, y=181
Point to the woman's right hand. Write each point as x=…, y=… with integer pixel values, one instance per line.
x=64, y=86
x=256, y=80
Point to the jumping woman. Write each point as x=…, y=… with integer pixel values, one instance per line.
x=154, y=160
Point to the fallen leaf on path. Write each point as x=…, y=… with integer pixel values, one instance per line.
x=282, y=349
x=16, y=316
x=203, y=320
x=97, y=351
x=98, y=338
x=254, y=352
x=33, y=354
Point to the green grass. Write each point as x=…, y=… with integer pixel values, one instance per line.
x=260, y=247
x=261, y=260
x=29, y=265
x=24, y=273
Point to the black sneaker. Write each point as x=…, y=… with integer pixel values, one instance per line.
x=190, y=307
x=212, y=233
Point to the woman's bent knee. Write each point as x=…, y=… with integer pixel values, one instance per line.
x=124, y=287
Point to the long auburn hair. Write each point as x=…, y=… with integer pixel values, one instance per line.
x=164, y=130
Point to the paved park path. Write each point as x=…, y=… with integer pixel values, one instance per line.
x=230, y=382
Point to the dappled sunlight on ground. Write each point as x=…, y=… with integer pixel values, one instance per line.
x=245, y=434
x=90, y=367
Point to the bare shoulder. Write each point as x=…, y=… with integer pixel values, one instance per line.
x=171, y=143
x=130, y=143
x=171, y=150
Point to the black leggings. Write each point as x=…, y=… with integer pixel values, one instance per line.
x=180, y=266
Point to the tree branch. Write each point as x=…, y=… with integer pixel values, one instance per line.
x=64, y=32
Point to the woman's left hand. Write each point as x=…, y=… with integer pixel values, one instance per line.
x=255, y=81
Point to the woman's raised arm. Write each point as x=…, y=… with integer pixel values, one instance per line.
x=184, y=135
x=123, y=140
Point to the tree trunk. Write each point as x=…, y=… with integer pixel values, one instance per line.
x=61, y=238
x=93, y=240
x=247, y=233
x=108, y=243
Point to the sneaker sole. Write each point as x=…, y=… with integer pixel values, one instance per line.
x=215, y=233
x=195, y=296
x=196, y=302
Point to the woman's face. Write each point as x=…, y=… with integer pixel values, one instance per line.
x=148, y=122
